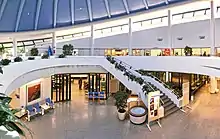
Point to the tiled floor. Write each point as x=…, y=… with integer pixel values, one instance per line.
x=80, y=119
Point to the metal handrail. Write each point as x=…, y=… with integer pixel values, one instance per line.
x=130, y=67
x=172, y=90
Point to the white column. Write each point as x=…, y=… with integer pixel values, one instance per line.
x=213, y=85
x=130, y=23
x=54, y=43
x=170, y=40
x=212, y=28
x=92, y=41
x=167, y=76
x=14, y=47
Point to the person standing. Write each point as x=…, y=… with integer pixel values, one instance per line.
x=80, y=84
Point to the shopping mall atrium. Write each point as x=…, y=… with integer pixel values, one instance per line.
x=109, y=69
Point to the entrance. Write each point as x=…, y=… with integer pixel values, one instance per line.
x=66, y=86
x=61, y=87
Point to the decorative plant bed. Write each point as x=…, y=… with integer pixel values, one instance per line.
x=138, y=115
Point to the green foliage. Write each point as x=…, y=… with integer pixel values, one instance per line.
x=8, y=119
x=68, y=49
x=18, y=59
x=62, y=56
x=31, y=58
x=5, y=62
x=188, y=51
x=45, y=56
x=121, y=100
x=34, y=51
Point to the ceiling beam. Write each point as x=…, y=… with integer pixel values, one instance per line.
x=126, y=6
x=55, y=4
x=72, y=11
x=146, y=4
x=107, y=8
x=37, y=14
x=3, y=8
x=89, y=5
x=19, y=14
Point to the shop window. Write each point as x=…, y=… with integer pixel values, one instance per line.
x=205, y=51
x=147, y=53
x=156, y=52
x=196, y=52
x=137, y=52
x=178, y=52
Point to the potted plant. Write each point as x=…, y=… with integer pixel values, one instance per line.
x=31, y=58
x=121, y=103
x=45, y=56
x=8, y=121
x=2, y=50
x=5, y=62
x=61, y=56
x=188, y=51
x=18, y=59
x=34, y=51
x=68, y=49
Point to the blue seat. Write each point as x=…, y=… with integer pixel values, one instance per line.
x=37, y=107
x=90, y=95
x=102, y=95
x=96, y=94
x=49, y=102
x=30, y=112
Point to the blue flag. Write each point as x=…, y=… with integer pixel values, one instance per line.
x=50, y=52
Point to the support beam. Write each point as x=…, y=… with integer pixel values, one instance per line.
x=2, y=8
x=19, y=14
x=130, y=24
x=37, y=14
x=92, y=40
x=72, y=11
x=212, y=28
x=89, y=9
x=14, y=47
x=167, y=76
x=126, y=6
x=107, y=8
x=170, y=39
x=54, y=43
x=55, y=13
x=145, y=3
x=213, y=85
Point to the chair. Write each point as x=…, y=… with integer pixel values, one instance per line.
x=102, y=95
x=30, y=112
x=49, y=103
x=37, y=108
x=90, y=95
x=96, y=95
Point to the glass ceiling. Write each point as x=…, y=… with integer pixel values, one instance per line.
x=29, y=15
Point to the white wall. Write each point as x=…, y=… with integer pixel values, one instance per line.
x=116, y=41
x=149, y=38
x=45, y=91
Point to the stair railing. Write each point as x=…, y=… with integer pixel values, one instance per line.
x=131, y=68
x=165, y=85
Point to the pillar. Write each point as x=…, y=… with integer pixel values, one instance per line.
x=130, y=23
x=14, y=53
x=92, y=41
x=54, y=43
x=170, y=41
x=213, y=85
x=167, y=76
x=212, y=28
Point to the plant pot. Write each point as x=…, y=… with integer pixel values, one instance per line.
x=5, y=134
x=121, y=115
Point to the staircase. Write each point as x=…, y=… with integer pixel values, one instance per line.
x=169, y=100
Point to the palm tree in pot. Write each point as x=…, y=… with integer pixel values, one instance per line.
x=121, y=103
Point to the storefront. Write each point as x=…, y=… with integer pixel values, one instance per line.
x=64, y=85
